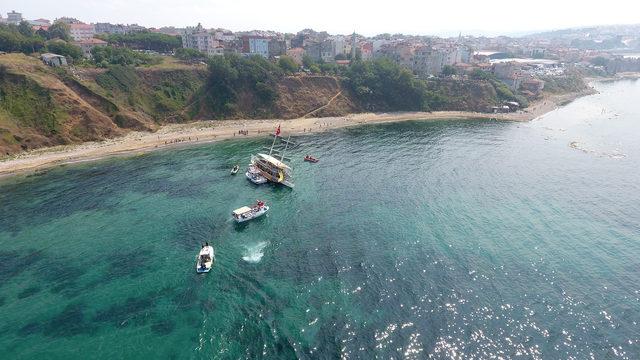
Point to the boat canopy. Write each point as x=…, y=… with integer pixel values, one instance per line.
x=241, y=210
x=274, y=161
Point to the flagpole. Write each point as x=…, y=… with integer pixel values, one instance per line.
x=275, y=136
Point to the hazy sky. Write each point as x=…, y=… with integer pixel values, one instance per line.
x=425, y=17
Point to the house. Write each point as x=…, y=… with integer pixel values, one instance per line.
x=88, y=44
x=108, y=28
x=39, y=22
x=14, y=17
x=54, y=60
x=255, y=45
x=200, y=39
x=81, y=31
x=277, y=47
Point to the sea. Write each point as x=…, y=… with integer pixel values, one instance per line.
x=457, y=239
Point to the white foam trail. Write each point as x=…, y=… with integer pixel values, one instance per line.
x=254, y=253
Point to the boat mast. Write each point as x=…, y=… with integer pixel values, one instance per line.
x=285, y=148
x=275, y=137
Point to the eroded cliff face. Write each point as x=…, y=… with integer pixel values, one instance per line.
x=42, y=106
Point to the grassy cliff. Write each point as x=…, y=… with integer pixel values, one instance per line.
x=43, y=106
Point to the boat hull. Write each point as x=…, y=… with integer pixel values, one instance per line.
x=205, y=267
x=252, y=216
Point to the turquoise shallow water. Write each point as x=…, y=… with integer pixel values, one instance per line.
x=459, y=239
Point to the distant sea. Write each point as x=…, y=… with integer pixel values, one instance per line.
x=449, y=239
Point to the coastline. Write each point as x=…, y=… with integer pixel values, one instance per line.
x=175, y=135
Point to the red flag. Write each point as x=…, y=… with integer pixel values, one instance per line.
x=278, y=130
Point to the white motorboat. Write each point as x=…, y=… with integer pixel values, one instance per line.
x=205, y=259
x=235, y=169
x=255, y=177
x=247, y=213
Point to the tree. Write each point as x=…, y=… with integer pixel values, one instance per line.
x=63, y=48
x=341, y=56
x=25, y=29
x=121, y=56
x=599, y=61
x=59, y=30
x=189, y=54
x=314, y=68
x=448, y=70
x=307, y=61
x=287, y=64
x=145, y=40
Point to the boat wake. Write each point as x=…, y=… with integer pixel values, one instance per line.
x=254, y=253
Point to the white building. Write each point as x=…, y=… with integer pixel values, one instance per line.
x=81, y=32
x=14, y=17
x=200, y=39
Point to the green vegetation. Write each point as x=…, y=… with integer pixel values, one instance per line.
x=502, y=90
x=63, y=48
x=448, y=70
x=108, y=55
x=19, y=38
x=27, y=103
x=564, y=84
x=287, y=65
x=231, y=76
x=384, y=85
x=189, y=54
x=58, y=30
x=599, y=61
x=145, y=41
x=118, y=77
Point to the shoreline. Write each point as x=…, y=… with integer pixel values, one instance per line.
x=206, y=131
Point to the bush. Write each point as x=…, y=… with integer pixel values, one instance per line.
x=121, y=56
x=189, y=54
x=17, y=39
x=287, y=64
x=65, y=49
x=231, y=75
x=384, y=85
x=145, y=40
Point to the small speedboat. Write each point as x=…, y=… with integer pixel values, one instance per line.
x=247, y=213
x=235, y=169
x=255, y=178
x=205, y=259
x=310, y=158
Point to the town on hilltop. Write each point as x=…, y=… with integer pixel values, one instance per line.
x=521, y=63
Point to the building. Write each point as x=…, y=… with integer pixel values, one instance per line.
x=54, y=59
x=39, y=22
x=14, y=17
x=88, y=44
x=277, y=48
x=255, y=45
x=69, y=20
x=108, y=28
x=81, y=31
x=200, y=39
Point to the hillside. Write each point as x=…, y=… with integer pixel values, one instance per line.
x=43, y=106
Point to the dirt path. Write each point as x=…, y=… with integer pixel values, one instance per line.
x=323, y=106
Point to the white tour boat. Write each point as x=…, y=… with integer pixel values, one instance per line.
x=205, y=260
x=246, y=213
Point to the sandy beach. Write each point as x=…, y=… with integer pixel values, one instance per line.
x=175, y=135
